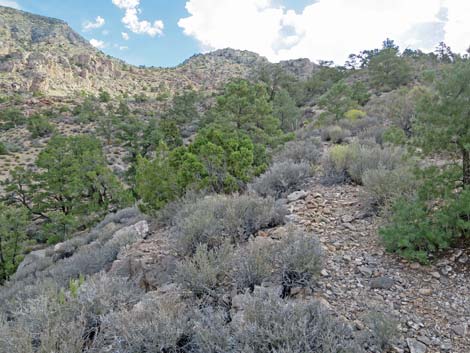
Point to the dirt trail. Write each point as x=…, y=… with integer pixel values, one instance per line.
x=431, y=304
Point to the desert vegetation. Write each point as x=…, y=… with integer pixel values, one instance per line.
x=214, y=177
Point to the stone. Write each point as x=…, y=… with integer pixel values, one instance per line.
x=347, y=219
x=460, y=329
x=435, y=275
x=324, y=273
x=446, y=346
x=349, y=226
x=425, y=291
x=415, y=266
x=383, y=282
x=297, y=195
x=366, y=271
x=463, y=259
x=415, y=346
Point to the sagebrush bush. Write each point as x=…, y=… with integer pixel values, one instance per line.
x=335, y=134
x=293, y=261
x=384, y=185
x=308, y=151
x=298, y=259
x=352, y=161
x=213, y=219
x=268, y=323
x=281, y=179
x=157, y=324
x=205, y=273
x=252, y=264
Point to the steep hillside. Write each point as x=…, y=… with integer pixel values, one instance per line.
x=40, y=54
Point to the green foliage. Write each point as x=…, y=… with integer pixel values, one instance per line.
x=388, y=70
x=338, y=99
x=433, y=219
x=3, y=149
x=360, y=93
x=13, y=223
x=443, y=120
x=11, y=118
x=88, y=111
x=322, y=80
x=155, y=181
x=104, y=97
x=217, y=160
x=354, y=114
x=183, y=108
x=141, y=98
x=395, y=136
x=170, y=133
x=246, y=108
x=72, y=187
x=286, y=111
x=39, y=126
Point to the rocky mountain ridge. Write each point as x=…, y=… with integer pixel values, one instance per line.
x=44, y=55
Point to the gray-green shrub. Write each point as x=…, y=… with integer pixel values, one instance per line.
x=213, y=219
x=281, y=179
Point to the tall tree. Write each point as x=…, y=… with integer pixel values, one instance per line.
x=443, y=119
x=13, y=222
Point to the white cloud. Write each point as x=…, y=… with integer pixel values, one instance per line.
x=10, y=3
x=125, y=35
x=326, y=29
x=99, y=22
x=132, y=22
x=123, y=47
x=97, y=43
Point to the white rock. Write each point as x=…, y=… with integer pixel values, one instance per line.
x=297, y=195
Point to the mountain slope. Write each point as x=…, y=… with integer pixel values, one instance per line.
x=40, y=54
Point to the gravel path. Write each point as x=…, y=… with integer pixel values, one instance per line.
x=430, y=303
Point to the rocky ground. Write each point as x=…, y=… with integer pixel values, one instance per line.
x=430, y=303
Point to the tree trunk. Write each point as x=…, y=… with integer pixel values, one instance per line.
x=466, y=168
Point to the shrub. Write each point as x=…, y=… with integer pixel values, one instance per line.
x=424, y=225
x=335, y=134
x=213, y=219
x=298, y=258
x=204, y=274
x=157, y=324
x=394, y=135
x=252, y=265
x=383, y=186
x=351, y=162
x=354, y=114
x=268, y=323
x=3, y=148
x=367, y=158
x=384, y=330
x=281, y=179
x=38, y=126
x=308, y=151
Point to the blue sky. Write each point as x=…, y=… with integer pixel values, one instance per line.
x=166, y=32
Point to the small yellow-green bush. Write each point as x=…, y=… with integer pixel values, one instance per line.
x=354, y=114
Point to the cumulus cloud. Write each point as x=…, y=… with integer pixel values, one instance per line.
x=133, y=23
x=326, y=29
x=10, y=3
x=99, y=22
x=125, y=35
x=97, y=43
